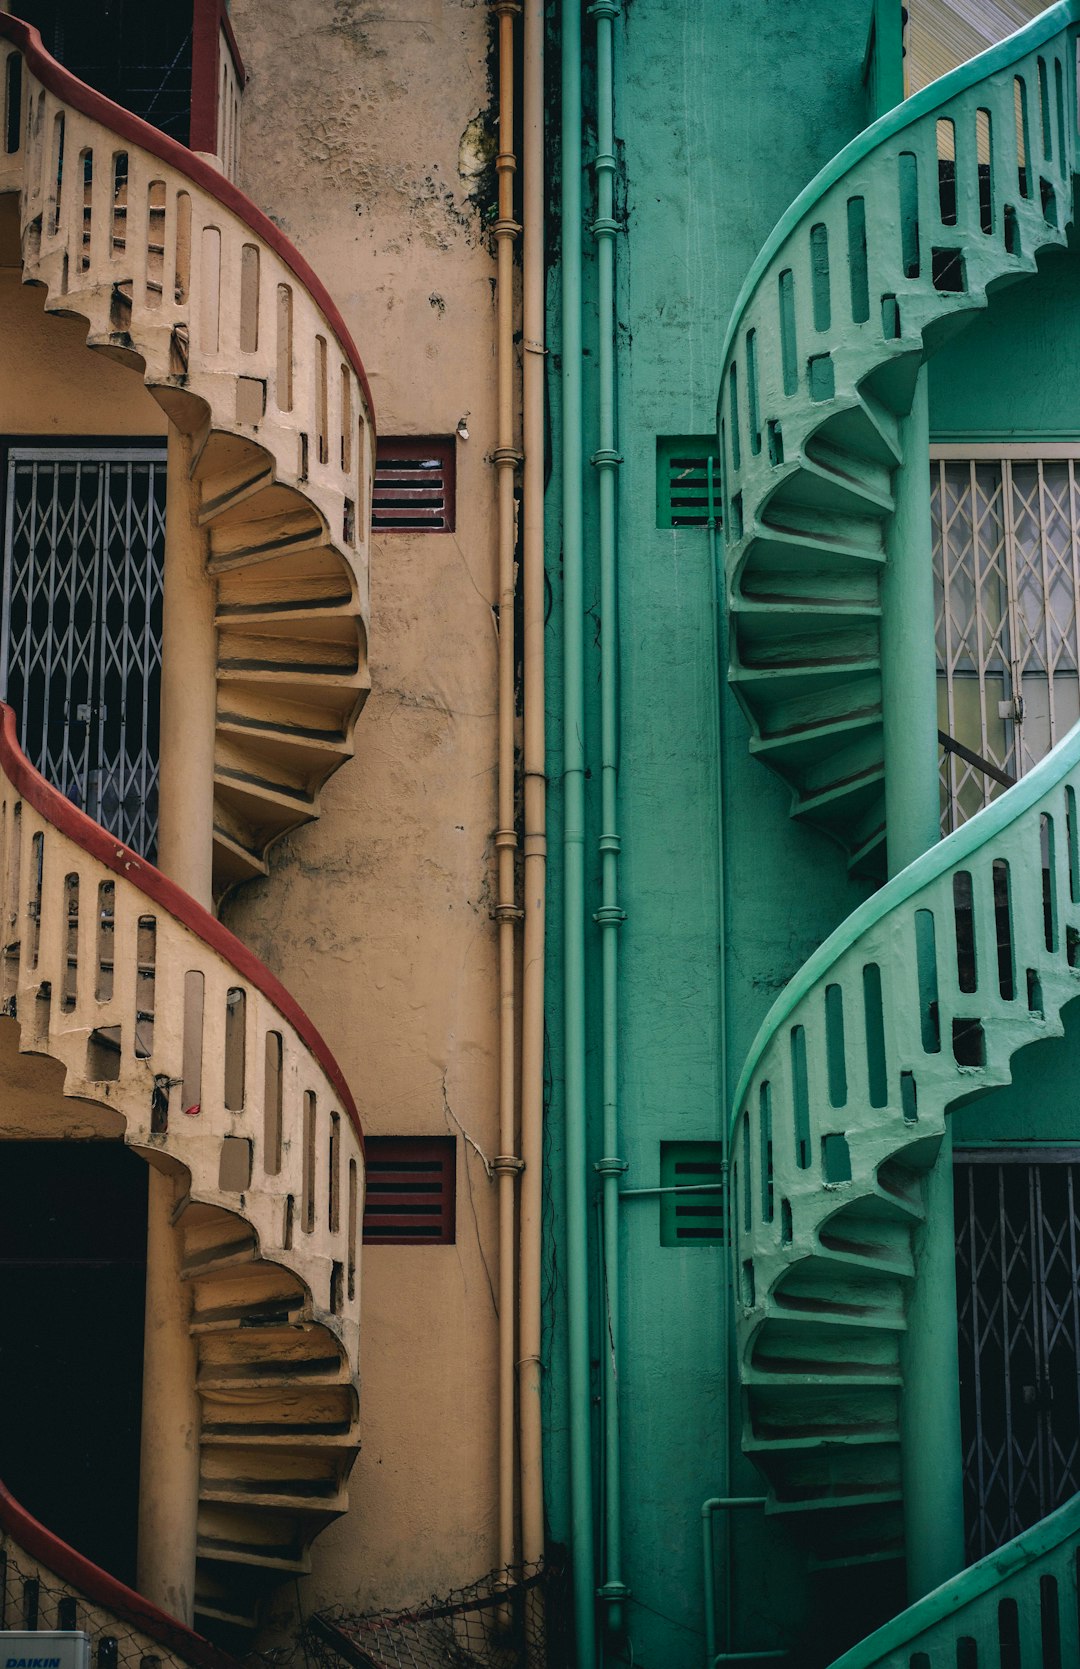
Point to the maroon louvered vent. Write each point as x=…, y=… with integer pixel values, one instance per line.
x=414, y=486
x=410, y=1190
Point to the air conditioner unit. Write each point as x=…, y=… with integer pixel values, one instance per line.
x=44, y=1649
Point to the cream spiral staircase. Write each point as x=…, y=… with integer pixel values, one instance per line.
x=153, y=1011
x=180, y=276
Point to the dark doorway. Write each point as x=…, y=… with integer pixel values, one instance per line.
x=1017, y=1246
x=137, y=54
x=73, y=1264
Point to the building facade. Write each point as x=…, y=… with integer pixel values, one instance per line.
x=666, y=982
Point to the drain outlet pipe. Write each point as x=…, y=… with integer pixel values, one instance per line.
x=609, y=917
x=579, y=1409
x=506, y=1165
x=713, y=1655
x=530, y=1424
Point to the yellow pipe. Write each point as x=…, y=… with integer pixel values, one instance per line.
x=535, y=795
x=507, y=1165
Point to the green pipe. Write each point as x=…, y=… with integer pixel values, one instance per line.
x=718, y=680
x=725, y=1504
x=605, y=459
x=573, y=841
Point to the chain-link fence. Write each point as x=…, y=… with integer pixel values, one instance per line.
x=512, y=1619
x=33, y=1597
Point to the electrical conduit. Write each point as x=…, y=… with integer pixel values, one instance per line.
x=506, y=1165
x=579, y=1408
x=606, y=459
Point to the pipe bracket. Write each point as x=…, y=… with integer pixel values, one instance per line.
x=507, y=455
x=609, y=915
x=507, y=912
x=604, y=8
x=507, y=1163
x=605, y=227
x=613, y=1593
x=611, y=1167
x=606, y=458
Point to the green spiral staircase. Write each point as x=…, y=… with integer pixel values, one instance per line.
x=921, y=999
x=884, y=255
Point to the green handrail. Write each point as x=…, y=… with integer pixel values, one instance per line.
x=948, y=854
x=931, y=98
x=925, y=1636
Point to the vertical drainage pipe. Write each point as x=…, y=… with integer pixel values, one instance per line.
x=530, y=1426
x=606, y=460
x=716, y=581
x=506, y=1165
x=579, y=1409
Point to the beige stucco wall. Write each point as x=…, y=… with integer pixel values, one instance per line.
x=52, y=383
x=363, y=137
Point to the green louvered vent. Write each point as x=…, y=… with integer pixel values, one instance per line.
x=691, y=1219
x=682, y=480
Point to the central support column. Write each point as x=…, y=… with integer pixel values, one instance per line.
x=930, y=1413
x=169, y=1462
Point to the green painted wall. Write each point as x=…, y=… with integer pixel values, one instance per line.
x=1014, y=373
x=724, y=111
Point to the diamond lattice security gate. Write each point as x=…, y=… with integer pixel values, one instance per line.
x=1007, y=576
x=80, y=640
x=1017, y=1245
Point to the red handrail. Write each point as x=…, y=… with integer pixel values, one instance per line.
x=95, y=841
x=105, y=1590
x=89, y=102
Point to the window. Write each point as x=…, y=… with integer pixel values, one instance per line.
x=80, y=634
x=682, y=480
x=695, y=1219
x=137, y=54
x=1006, y=576
x=414, y=485
x=410, y=1191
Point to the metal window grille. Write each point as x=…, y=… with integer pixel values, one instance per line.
x=682, y=480
x=691, y=1219
x=415, y=488
x=136, y=54
x=1018, y=1296
x=410, y=1189
x=1006, y=533
x=80, y=638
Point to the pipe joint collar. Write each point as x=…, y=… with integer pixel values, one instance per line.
x=609, y=843
x=604, y=162
x=504, y=838
x=613, y=1593
x=508, y=912
x=605, y=227
x=604, y=9
x=505, y=228
x=611, y=1167
x=507, y=456
x=606, y=458
x=507, y=1164
x=506, y=8
x=609, y=915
